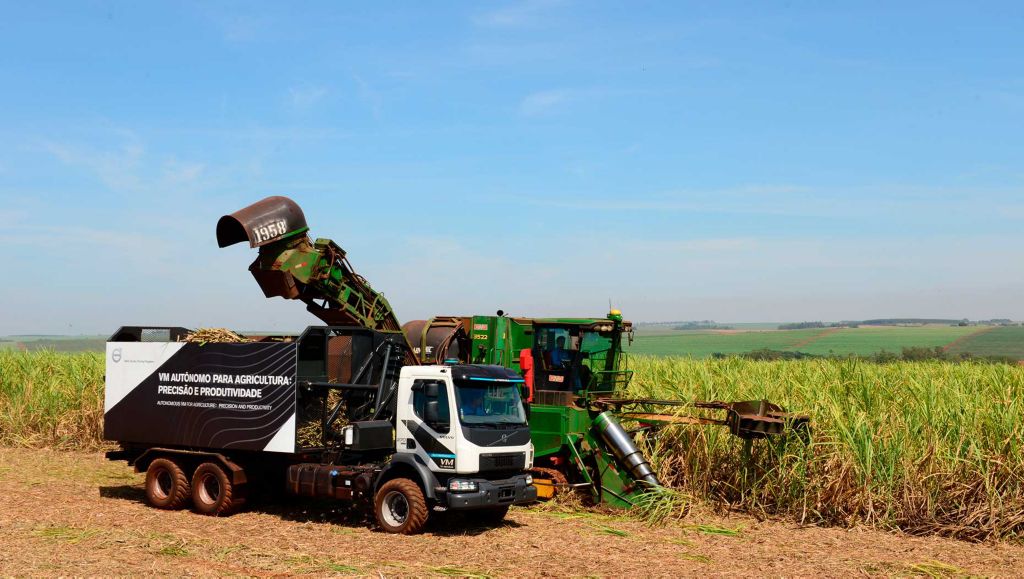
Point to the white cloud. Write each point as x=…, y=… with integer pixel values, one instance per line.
x=552, y=100
x=304, y=97
x=239, y=29
x=128, y=168
x=709, y=245
x=543, y=102
x=12, y=217
x=116, y=168
x=182, y=172
x=783, y=199
x=517, y=14
x=368, y=95
x=1012, y=211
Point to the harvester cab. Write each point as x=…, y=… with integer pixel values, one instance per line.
x=567, y=357
x=578, y=356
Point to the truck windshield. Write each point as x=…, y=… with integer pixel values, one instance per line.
x=489, y=402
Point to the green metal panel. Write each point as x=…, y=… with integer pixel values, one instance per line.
x=548, y=426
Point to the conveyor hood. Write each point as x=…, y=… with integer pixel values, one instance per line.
x=263, y=222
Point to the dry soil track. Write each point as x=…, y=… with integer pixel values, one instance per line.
x=76, y=514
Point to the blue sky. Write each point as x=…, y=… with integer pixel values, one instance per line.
x=710, y=160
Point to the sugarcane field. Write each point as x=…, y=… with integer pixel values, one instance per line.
x=525, y=288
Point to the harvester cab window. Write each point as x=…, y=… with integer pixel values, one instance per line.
x=596, y=347
x=430, y=403
x=558, y=348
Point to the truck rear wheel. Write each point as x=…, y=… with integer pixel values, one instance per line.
x=166, y=484
x=401, y=507
x=212, y=491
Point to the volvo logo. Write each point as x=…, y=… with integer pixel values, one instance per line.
x=501, y=439
x=115, y=355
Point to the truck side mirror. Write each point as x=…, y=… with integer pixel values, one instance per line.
x=431, y=415
x=431, y=391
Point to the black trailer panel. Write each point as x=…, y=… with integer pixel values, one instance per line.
x=215, y=396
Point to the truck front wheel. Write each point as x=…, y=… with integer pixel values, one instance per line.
x=166, y=484
x=401, y=507
x=212, y=491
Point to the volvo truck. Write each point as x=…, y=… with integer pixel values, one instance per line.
x=336, y=412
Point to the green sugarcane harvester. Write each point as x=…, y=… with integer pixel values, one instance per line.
x=576, y=377
x=575, y=369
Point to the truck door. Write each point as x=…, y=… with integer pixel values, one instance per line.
x=426, y=429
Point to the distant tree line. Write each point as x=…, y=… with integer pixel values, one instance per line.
x=908, y=354
x=700, y=325
x=811, y=325
x=898, y=322
x=801, y=326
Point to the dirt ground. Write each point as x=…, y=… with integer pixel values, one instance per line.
x=76, y=514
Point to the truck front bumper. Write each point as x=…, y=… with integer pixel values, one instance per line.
x=492, y=493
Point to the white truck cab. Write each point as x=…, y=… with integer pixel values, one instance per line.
x=467, y=425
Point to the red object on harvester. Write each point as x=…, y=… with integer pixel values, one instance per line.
x=526, y=366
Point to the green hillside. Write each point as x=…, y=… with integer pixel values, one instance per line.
x=861, y=341
x=1003, y=341
x=864, y=341
x=703, y=343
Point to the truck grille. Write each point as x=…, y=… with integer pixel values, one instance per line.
x=503, y=461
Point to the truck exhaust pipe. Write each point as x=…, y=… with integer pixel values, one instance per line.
x=622, y=446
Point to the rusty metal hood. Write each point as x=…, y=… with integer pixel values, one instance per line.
x=263, y=222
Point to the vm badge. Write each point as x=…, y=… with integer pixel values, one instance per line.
x=443, y=460
x=115, y=355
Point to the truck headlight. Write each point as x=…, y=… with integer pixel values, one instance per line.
x=529, y=480
x=462, y=486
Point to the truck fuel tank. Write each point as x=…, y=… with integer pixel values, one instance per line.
x=329, y=481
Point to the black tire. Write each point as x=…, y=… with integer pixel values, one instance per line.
x=166, y=485
x=400, y=507
x=212, y=491
x=488, y=516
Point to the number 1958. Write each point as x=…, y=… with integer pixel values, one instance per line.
x=269, y=231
